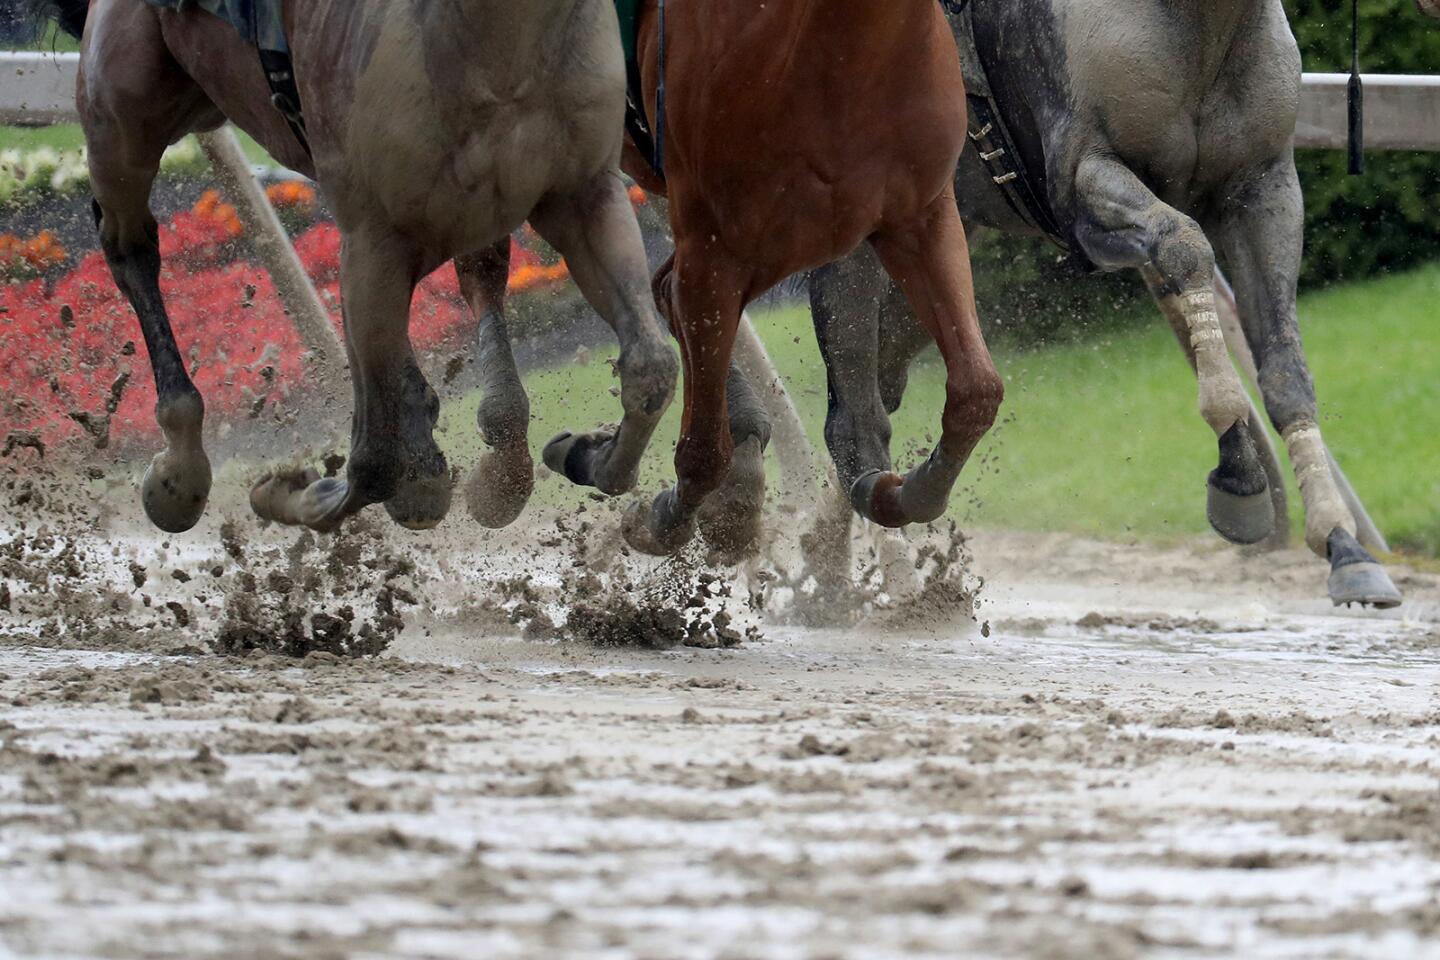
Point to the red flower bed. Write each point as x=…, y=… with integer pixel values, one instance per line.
x=65, y=341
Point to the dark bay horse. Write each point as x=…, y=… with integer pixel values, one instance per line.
x=1150, y=130
x=793, y=133
x=435, y=129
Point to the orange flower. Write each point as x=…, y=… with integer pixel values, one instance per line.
x=637, y=195
x=290, y=193
x=532, y=275
x=43, y=251
x=209, y=207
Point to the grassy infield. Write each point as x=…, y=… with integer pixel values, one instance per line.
x=1105, y=437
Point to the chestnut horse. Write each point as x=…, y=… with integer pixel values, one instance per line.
x=793, y=133
x=434, y=129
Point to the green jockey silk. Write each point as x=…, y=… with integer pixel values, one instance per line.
x=629, y=11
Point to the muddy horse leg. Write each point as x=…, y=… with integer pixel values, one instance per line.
x=729, y=519
x=1260, y=232
x=1123, y=225
x=500, y=485
x=393, y=456
x=930, y=261
x=702, y=293
x=596, y=232
x=133, y=102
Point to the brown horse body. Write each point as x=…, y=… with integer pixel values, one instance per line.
x=793, y=133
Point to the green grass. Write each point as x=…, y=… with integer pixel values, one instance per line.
x=1105, y=438
x=67, y=136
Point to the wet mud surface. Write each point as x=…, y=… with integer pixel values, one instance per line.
x=258, y=743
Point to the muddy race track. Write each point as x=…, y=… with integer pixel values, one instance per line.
x=1125, y=752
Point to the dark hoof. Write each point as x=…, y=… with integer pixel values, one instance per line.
x=421, y=504
x=1240, y=519
x=730, y=517
x=581, y=459
x=500, y=485
x=1356, y=577
x=660, y=530
x=175, y=490
x=875, y=495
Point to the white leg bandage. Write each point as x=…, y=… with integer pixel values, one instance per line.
x=1223, y=401
x=1324, y=508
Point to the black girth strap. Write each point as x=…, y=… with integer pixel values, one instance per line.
x=284, y=94
x=992, y=141
x=649, y=141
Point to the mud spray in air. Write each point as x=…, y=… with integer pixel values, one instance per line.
x=533, y=742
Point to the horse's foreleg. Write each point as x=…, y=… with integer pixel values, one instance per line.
x=1121, y=224
x=393, y=456
x=704, y=294
x=500, y=485
x=133, y=99
x=930, y=260
x=1260, y=232
x=595, y=230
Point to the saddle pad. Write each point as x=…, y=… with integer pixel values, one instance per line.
x=258, y=21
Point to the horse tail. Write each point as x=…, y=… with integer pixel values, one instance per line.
x=69, y=14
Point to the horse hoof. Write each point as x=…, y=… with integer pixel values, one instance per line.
x=175, y=490
x=300, y=498
x=1356, y=577
x=730, y=517
x=499, y=487
x=875, y=495
x=573, y=455
x=1240, y=519
x=657, y=530
x=422, y=503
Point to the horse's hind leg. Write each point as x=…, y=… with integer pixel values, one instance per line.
x=1123, y=225
x=930, y=261
x=393, y=456
x=595, y=230
x=1260, y=232
x=133, y=101
x=500, y=485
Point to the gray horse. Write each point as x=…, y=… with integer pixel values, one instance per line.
x=1145, y=130
x=1430, y=7
x=435, y=128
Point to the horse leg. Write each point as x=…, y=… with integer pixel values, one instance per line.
x=133, y=101
x=500, y=485
x=1121, y=225
x=1170, y=306
x=702, y=293
x=393, y=456
x=930, y=260
x=729, y=519
x=1260, y=232
x=595, y=230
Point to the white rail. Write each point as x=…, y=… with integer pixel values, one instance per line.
x=1402, y=111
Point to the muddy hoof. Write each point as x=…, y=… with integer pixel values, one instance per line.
x=300, y=498
x=175, y=490
x=730, y=517
x=499, y=487
x=421, y=504
x=1240, y=519
x=656, y=530
x=1356, y=576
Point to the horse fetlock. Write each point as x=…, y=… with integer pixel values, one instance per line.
x=181, y=417
x=648, y=374
x=925, y=492
x=504, y=417
x=1325, y=508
